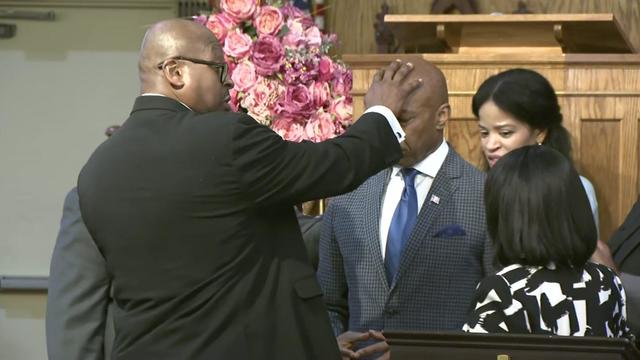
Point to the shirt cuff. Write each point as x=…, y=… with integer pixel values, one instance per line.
x=391, y=119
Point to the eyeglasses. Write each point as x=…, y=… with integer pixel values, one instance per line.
x=221, y=68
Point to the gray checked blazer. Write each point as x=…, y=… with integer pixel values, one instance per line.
x=445, y=257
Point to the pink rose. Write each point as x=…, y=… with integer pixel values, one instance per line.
x=325, y=68
x=220, y=25
x=237, y=44
x=320, y=127
x=244, y=76
x=320, y=92
x=267, y=55
x=313, y=36
x=233, y=99
x=238, y=10
x=288, y=129
x=261, y=98
x=269, y=21
x=297, y=101
x=295, y=36
x=342, y=109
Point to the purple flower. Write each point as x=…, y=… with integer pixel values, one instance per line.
x=297, y=102
x=268, y=55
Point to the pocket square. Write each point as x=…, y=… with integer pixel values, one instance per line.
x=450, y=231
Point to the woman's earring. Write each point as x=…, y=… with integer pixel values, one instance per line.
x=539, y=143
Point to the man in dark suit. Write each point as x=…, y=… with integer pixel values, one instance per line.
x=192, y=209
x=379, y=270
x=625, y=248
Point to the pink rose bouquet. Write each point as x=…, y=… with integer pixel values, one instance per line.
x=283, y=74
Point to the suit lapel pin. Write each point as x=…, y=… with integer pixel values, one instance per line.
x=435, y=199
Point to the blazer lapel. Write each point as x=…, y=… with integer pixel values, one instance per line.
x=372, y=210
x=443, y=186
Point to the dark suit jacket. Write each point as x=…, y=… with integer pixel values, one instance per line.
x=447, y=254
x=625, y=248
x=77, y=325
x=194, y=216
x=310, y=227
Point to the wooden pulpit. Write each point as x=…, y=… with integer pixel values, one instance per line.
x=462, y=346
x=586, y=57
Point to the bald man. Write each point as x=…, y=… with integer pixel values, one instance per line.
x=406, y=249
x=192, y=208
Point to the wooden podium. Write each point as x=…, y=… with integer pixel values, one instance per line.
x=463, y=346
x=586, y=57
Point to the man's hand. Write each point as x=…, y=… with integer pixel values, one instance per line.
x=348, y=340
x=381, y=347
x=390, y=86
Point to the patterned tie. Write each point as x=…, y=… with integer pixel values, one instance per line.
x=404, y=218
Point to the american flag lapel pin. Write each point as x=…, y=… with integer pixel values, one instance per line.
x=435, y=199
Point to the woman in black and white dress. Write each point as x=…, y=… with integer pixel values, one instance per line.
x=539, y=218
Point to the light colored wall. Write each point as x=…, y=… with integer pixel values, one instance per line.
x=61, y=84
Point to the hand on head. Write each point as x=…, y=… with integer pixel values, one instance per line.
x=416, y=92
x=391, y=86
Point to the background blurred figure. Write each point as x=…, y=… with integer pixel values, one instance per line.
x=78, y=299
x=519, y=107
x=540, y=221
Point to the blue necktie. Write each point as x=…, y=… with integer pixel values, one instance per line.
x=404, y=218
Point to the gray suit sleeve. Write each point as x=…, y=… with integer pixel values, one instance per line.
x=631, y=285
x=331, y=275
x=78, y=291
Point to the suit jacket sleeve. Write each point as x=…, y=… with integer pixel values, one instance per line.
x=331, y=275
x=274, y=171
x=78, y=291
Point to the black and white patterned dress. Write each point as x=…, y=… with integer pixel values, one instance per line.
x=545, y=300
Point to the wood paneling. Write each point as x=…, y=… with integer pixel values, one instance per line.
x=353, y=20
x=599, y=146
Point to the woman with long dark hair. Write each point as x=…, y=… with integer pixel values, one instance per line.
x=540, y=222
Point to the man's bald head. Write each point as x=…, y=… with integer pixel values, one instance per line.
x=175, y=37
x=424, y=113
x=434, y=87
x=183, y=60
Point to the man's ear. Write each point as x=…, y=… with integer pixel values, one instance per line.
x=174, y=73
x=442, y=116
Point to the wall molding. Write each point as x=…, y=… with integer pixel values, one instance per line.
x=105, y=4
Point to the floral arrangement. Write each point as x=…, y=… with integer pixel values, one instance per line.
x=283, y=74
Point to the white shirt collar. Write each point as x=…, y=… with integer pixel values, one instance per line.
x=157, y=94
x=430, y=165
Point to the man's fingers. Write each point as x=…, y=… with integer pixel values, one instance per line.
x=411, y=86
x=348, y=354
x=402, y=72
x=390, y=71
x=378, y=75
x=377, y=335
x=379, y=347
x=347, y=339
